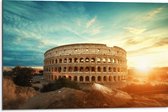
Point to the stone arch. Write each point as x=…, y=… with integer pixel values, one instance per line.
x=69, y=77
x=92, y=60
x=81, y=69
x=87, y=59
x=64, y=77
x=60, y=60
x=81, y=60
x=93, y=69
x=64, y=69
x=93, y=78
x=70, y=60
x=110, y=70
x=98, y=60
x=104, y=60
x=114, y=69
x=118, y=69
x=75, y=78
x=104, y=69
x=75, y=60
x=87, y=69
x=99, y=78
x=110, y=78
x=75, y=69
x=59, y=69
x=119, y=78
x=99, y=69
x=81, y=78
x=114, y=78
x=59, y=77
x=108, y=60
x=65, y=60
x=104, y=78
x=55, y=69
x=70, y=69
x=87, y=78
x=55, y=60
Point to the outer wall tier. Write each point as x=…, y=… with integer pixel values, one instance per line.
x=86, y=63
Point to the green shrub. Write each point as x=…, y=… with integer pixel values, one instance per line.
x=61, y=82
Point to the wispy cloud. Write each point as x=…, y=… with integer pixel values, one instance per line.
x=91, y=22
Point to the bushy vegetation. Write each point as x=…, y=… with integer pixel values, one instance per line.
x=22, y=76
x=61, y=82
x=145, y=88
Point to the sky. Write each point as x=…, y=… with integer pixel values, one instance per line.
x=32, y=27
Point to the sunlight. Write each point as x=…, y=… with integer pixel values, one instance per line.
x=143, y=65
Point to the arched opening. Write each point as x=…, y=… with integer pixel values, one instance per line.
x=59, y=69
x=119, y=78
x=87, y=78
x=55, y=77
x=75, y=78
x=87, y=60
x=104, y=60
x=99, y=69
x=81, y=78
x=99, y=78
x=64, y=69
x=65, y=60
x=69, y=77
x=81, y=69
x=110, y=69
x=114, y=69
x=118, y=69
x=87, y=69
x=70, y=69
x=64, y=77
x=104, y=78
x=93, y=69
x=70, y=60
x=104, y=69
x=59, y=77
x=93, y=78
x=60, y=60
x=114, y=78
x=75, y=60
x=75, y=69
x=92, y=60
x=110, y=78
x=98, y=60
x=56, y=61
x=55, y=69
x=109, y=60
x=81, y=60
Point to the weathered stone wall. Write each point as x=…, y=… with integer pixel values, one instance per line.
x=86, y=63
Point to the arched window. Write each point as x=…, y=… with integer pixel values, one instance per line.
x=93, y=78
x=87, y=69
x=104, y=69
x=99, y=78
x=65, y=60
x=110, y=69
x=59, y=69
x=64, y=77
x=76, y=60
x=75, y=78
x=114, y=78
x=118, y=69
x=98, y=60
x=81, y=78
x=104, y=78
x=75, y=69
x=109, y=60
x=114, y=69
x=60, y=60
x=81, y=60
x=92, y=60
x=93, y=69
x=81, y=69
x=87, y=60
x=99, y=69
x=69, y=77
x=87, y=78
x=110, y=78
x=56, y=61
x=104, y=60
x=64, y=69
x=59, y=77
x=70, y=60
x=55, y=69
x=70, y=69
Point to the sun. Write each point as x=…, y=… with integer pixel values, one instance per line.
x=143, y=65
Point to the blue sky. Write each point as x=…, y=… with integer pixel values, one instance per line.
x=31, y=28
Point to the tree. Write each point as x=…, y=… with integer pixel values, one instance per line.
x=22, y=76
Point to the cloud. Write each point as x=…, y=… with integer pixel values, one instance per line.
x=153, y=13
x=161, y=42
x=91, y=22
x=135, y=31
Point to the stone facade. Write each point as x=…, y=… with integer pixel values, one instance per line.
x=86, y=63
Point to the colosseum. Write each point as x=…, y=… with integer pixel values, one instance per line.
x=86, y=63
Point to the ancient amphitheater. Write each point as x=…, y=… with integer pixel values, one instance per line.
x=86, y=63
